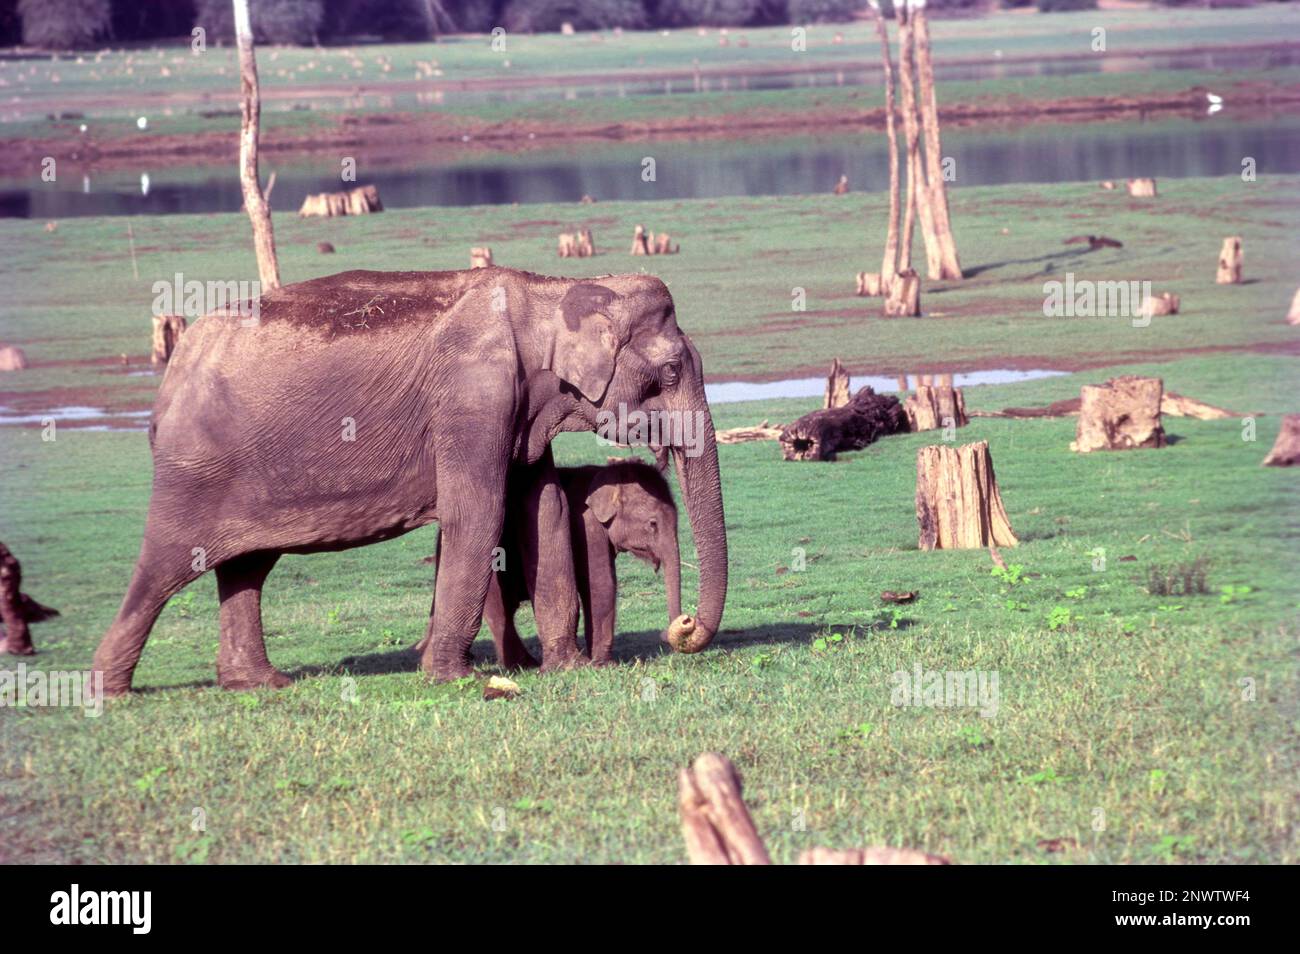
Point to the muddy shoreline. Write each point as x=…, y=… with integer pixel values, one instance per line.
x=408, y=131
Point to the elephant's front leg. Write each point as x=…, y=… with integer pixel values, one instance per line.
x=548, y=558
x=471, y=510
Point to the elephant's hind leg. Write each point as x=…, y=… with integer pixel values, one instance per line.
x=160, y=572
x=241, y=660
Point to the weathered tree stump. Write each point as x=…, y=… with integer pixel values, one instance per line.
x=1293, y=315
x=640, y=242
x=958, y=505
x=1142, y=188
x=719, y=830
x=842, y=187
x=869, y=285
x=903, y=298
x=480, y=256
x=167, y=331
x=663, y=245
x=1286, y=449
x=16, y=608
x=820, y=435
x=325, y=248
x=1122, y=414
x=1166, y=303
x=715, y=822
x=359, y=201
x=1108, y=184
x=837, y=386
x=12, y=358
x=933, y=407
x=1229, y=272
x=576, y=244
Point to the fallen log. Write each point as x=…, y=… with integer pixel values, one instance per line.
x=1286, y=449
x=719, y=830
x=820, y=435
x=1229, y=271
x=359, y=201
x=958, y=504
x=1166, y=303
x=742, y=435
x=167, y=331
x=932, y=407
x=1122, y=414
x=837, y=386
x=1171, y=404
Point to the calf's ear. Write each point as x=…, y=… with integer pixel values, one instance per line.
x=581, y=340
x=604, y=501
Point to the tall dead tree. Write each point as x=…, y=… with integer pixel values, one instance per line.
x=950, y=266
x=918, y=195
x=250, y=113
x=889, y=265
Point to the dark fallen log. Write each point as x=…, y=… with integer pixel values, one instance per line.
x=820, y=435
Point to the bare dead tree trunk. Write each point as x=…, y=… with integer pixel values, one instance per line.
x=958, y=505
x=889, y=265
x=250, y=112
x=950, y=266
x=918, y=192
x=837, y=386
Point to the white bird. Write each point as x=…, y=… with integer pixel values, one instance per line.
x=1214, y=100
x=142, y=123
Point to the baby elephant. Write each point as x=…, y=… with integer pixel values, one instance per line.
x=623, y=507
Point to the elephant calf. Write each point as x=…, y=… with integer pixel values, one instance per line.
x=624, y=507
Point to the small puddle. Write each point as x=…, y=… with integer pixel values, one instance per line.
x=121, y=420
x=727, y=392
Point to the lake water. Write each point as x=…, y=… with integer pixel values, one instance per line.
x=792, y=166
x=727, y=392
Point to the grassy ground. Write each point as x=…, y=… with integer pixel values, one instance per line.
x=1111, y=699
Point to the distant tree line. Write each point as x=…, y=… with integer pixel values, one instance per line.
x=87, y=24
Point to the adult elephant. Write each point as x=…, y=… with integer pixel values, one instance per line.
x=363, y=405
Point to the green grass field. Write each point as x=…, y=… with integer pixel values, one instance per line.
x=1139, y=727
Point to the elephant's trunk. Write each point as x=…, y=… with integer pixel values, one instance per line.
x=701, y=487
x=671, y=558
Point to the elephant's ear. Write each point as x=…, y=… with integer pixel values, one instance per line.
x=582, y=340
x=604, y=501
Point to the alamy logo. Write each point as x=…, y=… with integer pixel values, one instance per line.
x=974, y=689
x=39, y=688
x=103, y=907
x=194, y=298
x=684, y=429
x=1089, y=299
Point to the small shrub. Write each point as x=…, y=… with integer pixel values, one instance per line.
x=1179, y=579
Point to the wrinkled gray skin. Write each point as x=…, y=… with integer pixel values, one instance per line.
x=366, y=404
x=623, y=507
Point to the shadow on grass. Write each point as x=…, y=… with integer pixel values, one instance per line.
x=640, y=646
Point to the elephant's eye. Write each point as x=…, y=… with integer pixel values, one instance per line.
x=669, y=374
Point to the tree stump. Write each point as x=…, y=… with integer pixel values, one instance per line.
x=904, y=296
x=820, y=435
x=577, y=244
x=1293, y=316
x=1229, y=272
x=167, y=331
x=715, y=822
x=480, y=256
x=933, y=407
x=640, y=243
x=1142, y=188
x=958, y=504
x=663, y=245
x=1286, y=449
x=837, y=386
x=360, y=201
x=842, y=187
x=16, y=608
x=12, y=358
x=869, y=285
x=719, y=830
x=325, y=248
x=1122, y=414
x=1166, y=303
